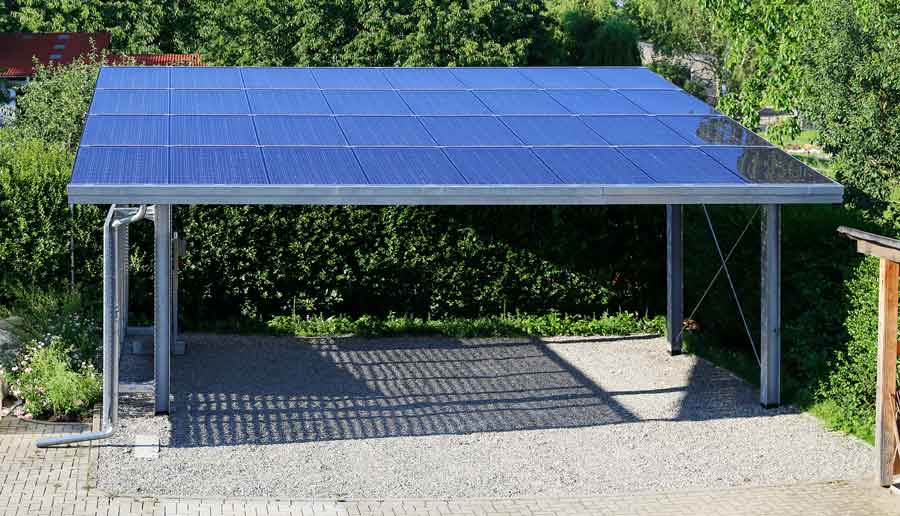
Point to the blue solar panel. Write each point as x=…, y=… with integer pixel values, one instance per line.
x=469, y=130
x=552, y=130
x=499, y=165
x=631, y=78
x=419, y=166
x=765, y=165
x=121, y=165
x=595, y=102
x=125, y=130
x=594, y=165
x=662, y=102
x=366, y=102
x=280, y=78
x=209, y=102
x=300, y=166
x=205, y=78
x=417, y=127
x=444, y=103
x=133, y=77
x=521, y=102
x=685, y=165
x=130, y=102
x=492, y=78
x=422, y=79
x=288, y=102
x=351, y=79
x=384, y=130
x=562, y=78
x=298, y=130
x=216, y=165
x=712, y=130
x=633, y=130
x=211, y=130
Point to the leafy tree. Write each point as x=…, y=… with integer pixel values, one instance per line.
x=357, y=32
x=850, y=89
x=591, y=32
x=683, y=31
x=762, y=56
x=133, y=24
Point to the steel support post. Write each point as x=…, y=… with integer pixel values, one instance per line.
x=770, y=305
x=162, y=325
x=674, y=277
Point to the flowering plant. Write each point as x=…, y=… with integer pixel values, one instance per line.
x=51, y=380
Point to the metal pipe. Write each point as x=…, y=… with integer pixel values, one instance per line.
x=110, y=414
x=141, y=212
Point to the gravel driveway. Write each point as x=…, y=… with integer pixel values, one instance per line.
x=438, y=417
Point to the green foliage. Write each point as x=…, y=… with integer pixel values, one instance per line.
x=680, y=75
x=356, y=32
x=52, y=106
x=553, y=323
x=33, y=178
x=36, y=313
x=133, y=24
x=851, y=92
x=50, y=383
x=591, y=34
x=257, y=262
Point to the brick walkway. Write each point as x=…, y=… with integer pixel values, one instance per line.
x=57, y=482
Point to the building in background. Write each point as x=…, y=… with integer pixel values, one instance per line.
x=19, y=51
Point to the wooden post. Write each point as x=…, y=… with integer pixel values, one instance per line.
x=885, y=420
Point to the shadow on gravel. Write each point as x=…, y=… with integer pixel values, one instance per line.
x=228, y=391
x=279, y=390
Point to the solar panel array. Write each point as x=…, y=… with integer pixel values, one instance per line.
x=414, y=126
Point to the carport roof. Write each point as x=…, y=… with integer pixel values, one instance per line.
x=572, y=135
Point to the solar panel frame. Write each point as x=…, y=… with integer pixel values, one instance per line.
x=421, y=136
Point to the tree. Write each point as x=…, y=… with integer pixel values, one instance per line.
x=592, y=32
x=133, y=24
x=683, y=31
x=379, y=33
x=850, y=88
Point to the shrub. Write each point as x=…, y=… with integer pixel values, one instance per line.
x=50, y=383
x=550, y=324
x=848, y=396
x=37, y=313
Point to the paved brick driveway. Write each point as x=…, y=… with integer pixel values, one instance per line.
x=57, y=482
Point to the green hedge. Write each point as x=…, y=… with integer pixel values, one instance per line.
x=432, y=262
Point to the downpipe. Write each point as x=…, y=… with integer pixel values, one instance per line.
x=110, y=416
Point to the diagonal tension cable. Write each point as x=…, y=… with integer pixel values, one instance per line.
x=724, y=267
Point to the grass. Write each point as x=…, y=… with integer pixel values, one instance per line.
x=553, y=323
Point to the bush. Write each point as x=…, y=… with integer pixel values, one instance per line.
x=51, y=384
x=848, y=396
x=37, y=313
x=551, y=324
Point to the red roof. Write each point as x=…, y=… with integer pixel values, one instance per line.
x=161, y=59
x=18, y=49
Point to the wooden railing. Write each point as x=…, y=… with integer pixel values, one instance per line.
x=887, y=435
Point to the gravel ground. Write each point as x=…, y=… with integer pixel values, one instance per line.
x=435, y=417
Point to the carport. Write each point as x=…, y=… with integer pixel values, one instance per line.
x=159, y=137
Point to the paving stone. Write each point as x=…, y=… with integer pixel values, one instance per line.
x=49, y=482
